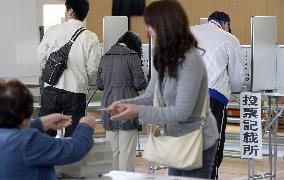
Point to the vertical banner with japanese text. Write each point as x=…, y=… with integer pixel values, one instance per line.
x=250, y=124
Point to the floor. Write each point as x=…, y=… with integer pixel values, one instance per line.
x=231, y=168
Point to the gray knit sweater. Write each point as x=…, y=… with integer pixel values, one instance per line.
x=183, y=99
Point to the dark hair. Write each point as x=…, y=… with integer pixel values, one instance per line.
x=80, y=8
x=219, y=16
x=16, y=103
x=132, y=41
x=174, y=39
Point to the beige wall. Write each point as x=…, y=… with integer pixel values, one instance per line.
x=239, y=10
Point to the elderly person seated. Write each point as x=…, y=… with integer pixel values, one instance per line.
x=28, y=153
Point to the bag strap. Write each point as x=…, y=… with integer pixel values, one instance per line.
x=77, y=33
x=156, y=103
x=156, y=100
x=66, y=48
x=204, y=110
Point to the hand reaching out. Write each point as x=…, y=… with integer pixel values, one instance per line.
x=89, y=120
x=121, y=111
x=115, y=108
x=55, y=121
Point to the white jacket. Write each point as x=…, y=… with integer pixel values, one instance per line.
x=83, y=59
x=222, y=59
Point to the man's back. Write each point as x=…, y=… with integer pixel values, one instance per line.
x=68, y=96
x=83, y=58
x=222, y=58
x=224, y=68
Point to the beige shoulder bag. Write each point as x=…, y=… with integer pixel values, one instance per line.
x=184, y=152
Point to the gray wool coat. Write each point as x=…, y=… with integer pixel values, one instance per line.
x=120, y=76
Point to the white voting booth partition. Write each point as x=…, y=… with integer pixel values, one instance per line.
x=19, y=39
x=264, y=47
x=113, y=28
x=280, y=72
x=266, y=80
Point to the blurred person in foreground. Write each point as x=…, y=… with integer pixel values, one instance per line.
x=26, y=152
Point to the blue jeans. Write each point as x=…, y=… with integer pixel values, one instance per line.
x=205, y=171
x=55, y=100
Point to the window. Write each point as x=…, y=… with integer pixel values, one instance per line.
x=53, y=14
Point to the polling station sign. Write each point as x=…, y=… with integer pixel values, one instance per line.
x=250, y=124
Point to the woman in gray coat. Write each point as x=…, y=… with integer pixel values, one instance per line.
x=120, y=76
x=181, y=78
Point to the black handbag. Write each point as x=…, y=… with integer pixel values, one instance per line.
x=57, y=61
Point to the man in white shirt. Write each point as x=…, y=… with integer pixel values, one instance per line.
x=68, y=96
x=224, y=67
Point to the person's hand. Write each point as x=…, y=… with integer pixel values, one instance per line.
x=115, y=108
x=55, y=121
x=89, y=120
x=124, y=111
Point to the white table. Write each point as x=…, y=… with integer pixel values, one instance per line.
x=121, y=175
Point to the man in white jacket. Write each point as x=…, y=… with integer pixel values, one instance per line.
x=224, y=67
x=68, y=96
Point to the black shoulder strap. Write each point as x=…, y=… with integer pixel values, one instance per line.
x=77, y=33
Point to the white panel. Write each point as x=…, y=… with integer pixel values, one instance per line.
x=203, y=20
x=280, y=71
x=145, y=59
x=264, y=38
x=101, y=49
x=113, y=28
x=246, y=53
x=19, y=38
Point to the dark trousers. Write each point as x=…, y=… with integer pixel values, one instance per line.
x=219, y=111
x=204, y=172
x=55, y=100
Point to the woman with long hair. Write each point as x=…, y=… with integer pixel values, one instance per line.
x=181, y=78
x=120, y=76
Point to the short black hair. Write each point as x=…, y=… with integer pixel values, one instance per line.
x=16, y=103
x=80, y=8
x=132, y=41
x=219, y=16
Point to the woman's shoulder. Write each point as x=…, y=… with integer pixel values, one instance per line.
x=193, y=56
x=193, y=63
x=118, y=49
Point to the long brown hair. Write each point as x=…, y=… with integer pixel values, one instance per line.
x=174, y=39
